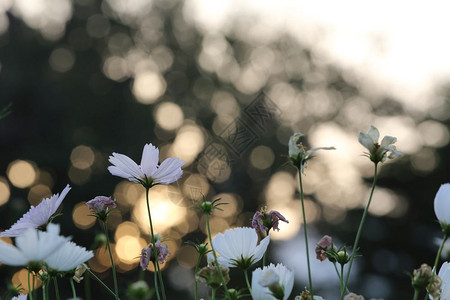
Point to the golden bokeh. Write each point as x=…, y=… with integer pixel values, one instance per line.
x=262, y=157
x=128, y=248
x=37, y=193
x=22, y=173
x=127, y=193
x=188, y=143
x=81, y=216
x=187, y=257
x=127, y=229
x=169, y=116
x=148, y=86
x=82, y=157
x=4, y=191
x=20, y=278
x=79, y=176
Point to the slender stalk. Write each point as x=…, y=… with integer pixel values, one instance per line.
x=113, y=267
x=215, y=258
x=305, y=231
x=342, y=279
x=195, y=277
x=248, y=282
x=361, y=225
x=30, y=293
x=153, y=241
x=213, y=294
x=436, y=260
x=45, y=290
x=101, y=282
x=74, y=292
x=33, y=292
x=55, y=283
x=416, y=294
x=155, y=280
x=87, y=288
x=340, y=276
x=161, y=282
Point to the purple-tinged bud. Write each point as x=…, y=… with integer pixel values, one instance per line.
x=322, y=246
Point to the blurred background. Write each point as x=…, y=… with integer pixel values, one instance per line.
x=223, y=85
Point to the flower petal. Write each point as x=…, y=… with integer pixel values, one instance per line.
x=388, y=140
x=149, y=160
x=11, y=256
x=294, y=150
x=442, y=203
x=126, y=165
x=365, y=140
x=374, y=134
x=169, y=171
x=261, y=249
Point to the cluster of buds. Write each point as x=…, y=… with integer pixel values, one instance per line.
x=424, y=278
x=263, y=221
x=210, y=275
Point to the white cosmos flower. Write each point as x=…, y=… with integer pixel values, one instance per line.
x=32, y=247
x=20, y=297
x=298, y=154
x=68, y=257
x=378, y=152
x=238, y=247
x=272, y=282
x=37, y=215
x=148, y=173
x=442, y=204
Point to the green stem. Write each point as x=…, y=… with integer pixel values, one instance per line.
x=195, y=277
x=113, y=267
x=436, y=260
x=213, y=294
x=55, y=283
x=74, y=292
x=215, y=258
x=155, y=280
x=33, y=292
x=340, y=276
x=101, y=282
x=45, y=290
x=342, y=279
x=87, y=288
x=361, y=225
x=305, y=231
x=248, y=282
x=30, y=293
x=153, y=241
x=161, y=282
x=416, y=294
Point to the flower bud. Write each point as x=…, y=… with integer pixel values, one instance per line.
x=353, y=296
x=139, y=290
x=211, y=276
x=79, y=271
x=421, y=277
x=342, y=257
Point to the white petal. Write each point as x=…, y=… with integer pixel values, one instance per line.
x=126, y=165
x=149, y=160
x=10, y=255
x=68, y=257
x=374, y=134
x=261, y=248
x=169, y=171
x=365, y=140
x=442, y=203
x=259, y=292
x=388, y=140
x=294, y=150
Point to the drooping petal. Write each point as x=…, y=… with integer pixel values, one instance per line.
x=374, y=134
x=442, y=203
x=126, y=165
x=294, y=150
x=149, y=160
x=311, y=151
x=169, y=171
x=261, y=249
x=388, y=140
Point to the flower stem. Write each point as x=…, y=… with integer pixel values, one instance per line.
x=195, y=277
x=340, y=276
x=342, y=279
x=74, y=292
x=87, y=288
x=215, y=258
x=161, y=282
x=264, y=259
x=155, y=280
x=113, y=267
x=101, y=282
x=213, y=294
x=416, y=294
x=153, y=241
x=247, y=281
x=305, y=231
x=30, y=291
x=45, y=290
x=436, y=261
x=55, y=283
x=358, y=234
